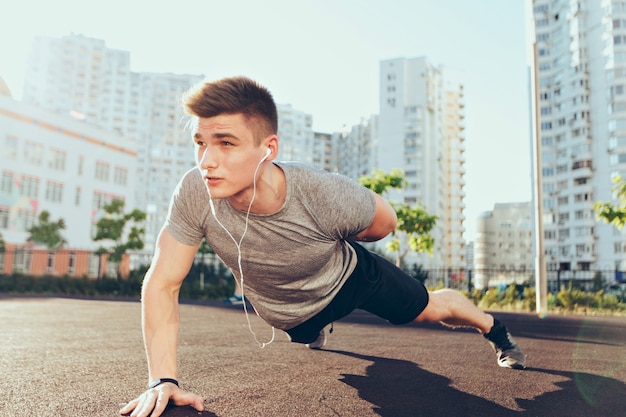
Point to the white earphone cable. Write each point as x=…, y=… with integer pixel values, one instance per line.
x=238, y=245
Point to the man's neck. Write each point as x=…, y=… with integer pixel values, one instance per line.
x=270, y=193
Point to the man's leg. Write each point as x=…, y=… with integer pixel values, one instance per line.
x=453, y=309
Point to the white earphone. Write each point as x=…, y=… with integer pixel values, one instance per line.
x=268, y=152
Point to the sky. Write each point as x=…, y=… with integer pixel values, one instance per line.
x=322, y=57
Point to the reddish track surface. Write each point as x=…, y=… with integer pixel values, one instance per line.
x=71, y=357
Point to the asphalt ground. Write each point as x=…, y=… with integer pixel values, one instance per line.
x=76, y=357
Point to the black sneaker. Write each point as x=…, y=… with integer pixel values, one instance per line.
x=509, y=354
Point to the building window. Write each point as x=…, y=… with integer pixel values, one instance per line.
x=582, y=197
x=6, y=184
x=94, y=264
x=4, y=217
x=100, y=199
x=81, y=163
x=57, y=160
x=30, y=187
x=120, y=176
x=25, y=219
x=77, y=197
x=71, y=266
x=54, y=192
x=33, y=153
x=21, y=261
x=10, y=147
x=50, y=267
x=102, y=171
x=582, y=164
x=550, y=234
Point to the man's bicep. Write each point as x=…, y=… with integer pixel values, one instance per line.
x=383, y=222
x=172, y=260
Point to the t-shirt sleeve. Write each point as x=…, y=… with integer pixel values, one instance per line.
x=344, y=207
x=184, y=218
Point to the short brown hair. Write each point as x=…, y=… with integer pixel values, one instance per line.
x=234, y=95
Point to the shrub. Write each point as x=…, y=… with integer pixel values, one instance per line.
x=490, y=298
x=529, y=298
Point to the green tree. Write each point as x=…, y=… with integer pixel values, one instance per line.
x=114, y=226
x=610, y=212
x=414, y=223
x=47, y=232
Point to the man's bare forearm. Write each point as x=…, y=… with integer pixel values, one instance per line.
x=160, y=322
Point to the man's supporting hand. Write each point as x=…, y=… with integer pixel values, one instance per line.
x=153, y=402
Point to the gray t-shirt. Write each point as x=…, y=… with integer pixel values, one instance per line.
x=295, y=260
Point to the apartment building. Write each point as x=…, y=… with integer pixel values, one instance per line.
x=580, y=66
x=295, y=130
x=356, y=148
x=503, y=248
x=324, y=151
x=69, y=168
x=81, y=76
x=420, y=130
x=166, y=148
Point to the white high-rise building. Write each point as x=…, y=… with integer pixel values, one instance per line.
x=324, y=151
x=79, y=75
x=503, y=245
x=420, y=130
x=295, y=130
x=581, y=78
x=356, y=149
x=166, y=148
x=70, y=169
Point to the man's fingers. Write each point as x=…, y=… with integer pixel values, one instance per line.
x=129, y=407
x=154, y=401
x=146, y=405
x=189, y=398
x=161, y=403
x=198, y=403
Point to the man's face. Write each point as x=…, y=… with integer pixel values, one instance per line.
x=226, y=154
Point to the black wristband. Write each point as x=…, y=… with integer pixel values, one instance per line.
x=160, y=381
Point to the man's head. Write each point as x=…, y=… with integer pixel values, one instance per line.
x=234, y=95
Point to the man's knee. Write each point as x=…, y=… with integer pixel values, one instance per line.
x=437, y=308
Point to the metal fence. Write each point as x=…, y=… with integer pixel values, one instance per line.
x=73, y=262
x=469, y=279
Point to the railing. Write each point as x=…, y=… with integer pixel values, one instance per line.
x=469, y=279
x=79, y=263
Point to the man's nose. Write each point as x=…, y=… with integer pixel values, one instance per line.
x=208, y=159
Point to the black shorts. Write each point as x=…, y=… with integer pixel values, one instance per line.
x=377, y=286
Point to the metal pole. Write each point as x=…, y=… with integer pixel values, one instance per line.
x=541, y=282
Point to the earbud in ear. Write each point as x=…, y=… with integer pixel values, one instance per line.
x=268, y=152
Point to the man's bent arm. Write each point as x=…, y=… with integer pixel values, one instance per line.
x=159, y=300
x=383, y=223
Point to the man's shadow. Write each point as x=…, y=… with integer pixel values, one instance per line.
x=399, y=388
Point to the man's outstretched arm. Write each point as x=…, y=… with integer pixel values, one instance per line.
x=160, y=323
